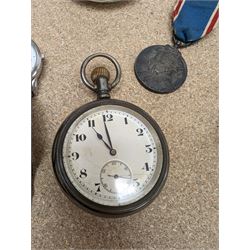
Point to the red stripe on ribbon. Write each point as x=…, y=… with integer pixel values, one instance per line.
x=177, y=8
x=213, y=22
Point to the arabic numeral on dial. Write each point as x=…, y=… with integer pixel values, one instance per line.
x=149, y=149
x=146, y=167
x=108, y=118
x=83, y=173
x=81, y=137
x=126, y=120
x=98, y=185
x=91, y=123
x=75, y=156
x=140, y=131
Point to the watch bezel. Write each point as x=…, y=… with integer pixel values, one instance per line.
x=35, y=73
x=84, y=202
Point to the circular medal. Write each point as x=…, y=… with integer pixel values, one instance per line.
x=161, y=69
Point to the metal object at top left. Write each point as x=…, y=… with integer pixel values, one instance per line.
x=36, y=67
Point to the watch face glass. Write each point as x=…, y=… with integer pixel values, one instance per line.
x=112, y=155
x=33, y=58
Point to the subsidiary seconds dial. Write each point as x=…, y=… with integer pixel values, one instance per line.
x=116, y=177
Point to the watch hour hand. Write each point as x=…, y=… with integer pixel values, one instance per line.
x=99, y=136
x=111, y=150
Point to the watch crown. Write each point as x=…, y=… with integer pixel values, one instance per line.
x=100, y=72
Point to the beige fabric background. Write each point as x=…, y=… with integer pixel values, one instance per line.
x=185, y=215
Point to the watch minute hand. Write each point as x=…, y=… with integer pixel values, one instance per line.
x=107, y=133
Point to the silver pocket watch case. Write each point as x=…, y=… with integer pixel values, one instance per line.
x=36, y=66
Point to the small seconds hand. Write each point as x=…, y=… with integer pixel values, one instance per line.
x=123, y=177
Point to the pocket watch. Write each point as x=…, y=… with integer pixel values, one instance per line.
x=109, y=156
x=36, y=66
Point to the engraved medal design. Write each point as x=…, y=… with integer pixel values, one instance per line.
x=161, y=69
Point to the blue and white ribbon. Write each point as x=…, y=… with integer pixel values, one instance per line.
x=193, y=19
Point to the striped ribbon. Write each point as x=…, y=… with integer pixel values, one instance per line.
x=194, y=19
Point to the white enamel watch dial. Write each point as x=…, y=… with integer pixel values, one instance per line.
x=116, y=165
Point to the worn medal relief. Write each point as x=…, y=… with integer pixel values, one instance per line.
x=161, y=69
x=110, y=156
